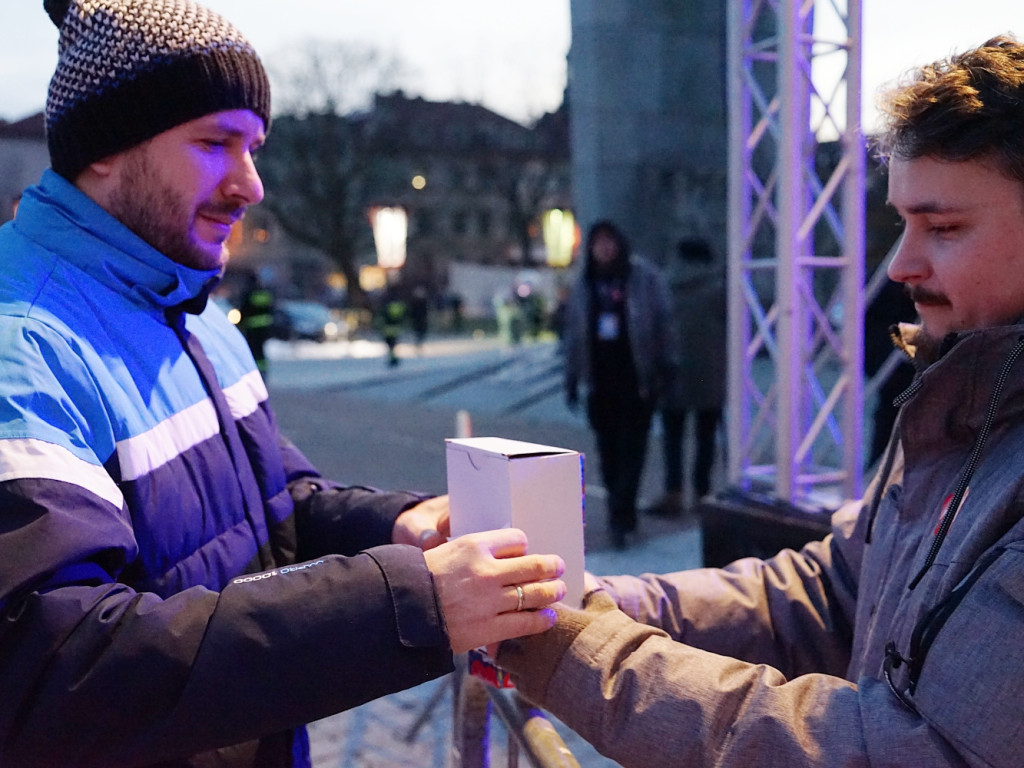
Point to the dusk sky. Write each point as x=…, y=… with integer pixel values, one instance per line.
x=508, y=56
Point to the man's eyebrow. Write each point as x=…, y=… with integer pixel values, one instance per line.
x=928, y=206
x=224, y=132
x=228, y=128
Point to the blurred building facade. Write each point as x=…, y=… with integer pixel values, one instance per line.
x=476, y=183
x=23, y=157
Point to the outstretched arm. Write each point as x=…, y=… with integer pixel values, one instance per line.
x=647, y=701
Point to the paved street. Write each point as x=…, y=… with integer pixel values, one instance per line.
x=360, y=421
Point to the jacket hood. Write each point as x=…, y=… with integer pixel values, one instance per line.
x=62, y=219
x=622, y=266
x=951, y=385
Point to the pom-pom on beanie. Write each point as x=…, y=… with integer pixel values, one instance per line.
x=128, y=70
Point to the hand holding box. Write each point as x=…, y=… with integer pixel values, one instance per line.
x=498, y=483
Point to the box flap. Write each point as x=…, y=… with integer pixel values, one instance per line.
x=500, y=446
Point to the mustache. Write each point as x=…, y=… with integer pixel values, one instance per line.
x=923, y=296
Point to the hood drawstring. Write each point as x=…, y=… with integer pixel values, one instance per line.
x=972, y=461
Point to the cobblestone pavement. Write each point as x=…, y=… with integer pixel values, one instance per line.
x=333, y=405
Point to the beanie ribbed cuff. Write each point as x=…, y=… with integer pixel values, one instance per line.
x=152, y=102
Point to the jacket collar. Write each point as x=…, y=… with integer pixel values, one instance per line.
x=65, y=221
x=957, y=388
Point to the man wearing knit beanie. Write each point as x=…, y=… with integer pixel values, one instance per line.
x=179, y=585
x=128, y=70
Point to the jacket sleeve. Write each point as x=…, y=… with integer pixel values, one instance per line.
x=794, y=611
x=332, y=518
x=647, y=701
x=134, y=679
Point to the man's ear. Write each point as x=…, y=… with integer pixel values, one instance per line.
x=96, y=179
x=103, y=168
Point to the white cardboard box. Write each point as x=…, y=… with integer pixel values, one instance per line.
x=498, y=483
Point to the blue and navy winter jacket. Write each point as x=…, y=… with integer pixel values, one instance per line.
x=168, y=587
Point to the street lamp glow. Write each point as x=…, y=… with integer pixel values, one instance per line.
x=390, y=226
x=559, y=229
x=419, y=181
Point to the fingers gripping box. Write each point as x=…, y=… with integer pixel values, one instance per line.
x=498, y=483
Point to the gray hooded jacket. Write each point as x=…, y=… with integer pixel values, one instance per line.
x=895, y=641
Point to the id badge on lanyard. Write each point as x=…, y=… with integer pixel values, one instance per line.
x=608, y=326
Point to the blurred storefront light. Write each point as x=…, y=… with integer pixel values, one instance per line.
x=390, y=227
x=560, y=236
x=372, y=278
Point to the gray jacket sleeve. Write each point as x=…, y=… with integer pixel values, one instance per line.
x=735, y=667
x=794, y=611
x=648, y=701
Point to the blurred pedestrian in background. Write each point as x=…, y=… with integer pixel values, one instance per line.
x=419, y=315
x=529, y=308
x=391, y=317
x=558, y=313
x=617, y=351
x=697, y=287
x=257, y=322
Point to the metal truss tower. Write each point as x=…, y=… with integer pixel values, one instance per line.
x=796, y=249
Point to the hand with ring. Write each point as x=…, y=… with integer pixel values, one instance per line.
x=490, y=589
x=520, y=597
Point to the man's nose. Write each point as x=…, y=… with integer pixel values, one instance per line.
x=909, y=264
x=244, y=183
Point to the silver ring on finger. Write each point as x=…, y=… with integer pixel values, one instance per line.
x=521, y=597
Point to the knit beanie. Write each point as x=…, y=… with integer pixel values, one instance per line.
x=128, y=70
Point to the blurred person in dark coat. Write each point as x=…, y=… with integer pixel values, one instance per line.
x=697, y=286
x=617, y=350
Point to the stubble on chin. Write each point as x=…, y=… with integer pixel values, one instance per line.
x=152, y=211
x=928, y=345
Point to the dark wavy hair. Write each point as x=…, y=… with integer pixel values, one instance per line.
x=969, y=106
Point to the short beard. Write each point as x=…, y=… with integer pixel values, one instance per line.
x=149, y=208
x=929, y=346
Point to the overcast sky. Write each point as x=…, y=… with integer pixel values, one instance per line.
x=509, y=56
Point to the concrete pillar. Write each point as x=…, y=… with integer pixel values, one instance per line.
x=647, y=99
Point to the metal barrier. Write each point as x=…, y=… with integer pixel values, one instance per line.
x=530, y=733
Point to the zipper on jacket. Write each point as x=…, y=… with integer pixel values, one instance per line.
x=972, y=462
x=890, y=456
